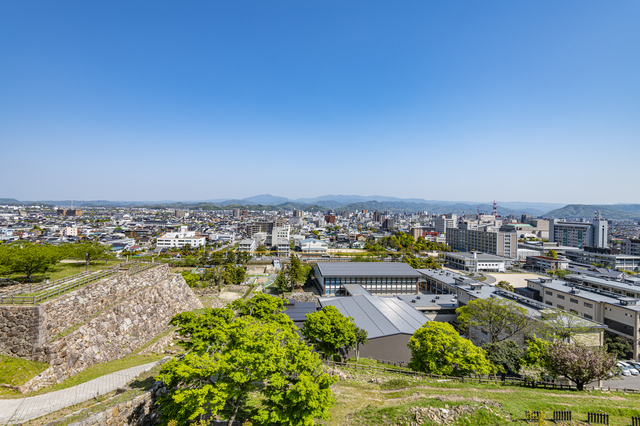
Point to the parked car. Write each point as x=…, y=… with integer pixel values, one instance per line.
x=634, y=364
x=624, y=368
x=631, y=369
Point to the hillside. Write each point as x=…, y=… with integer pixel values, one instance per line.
x=610, y=211
x=373, y=398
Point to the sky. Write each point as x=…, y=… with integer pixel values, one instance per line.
x=197, y=100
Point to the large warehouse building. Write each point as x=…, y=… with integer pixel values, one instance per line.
x=389, y=323
x=334, y=278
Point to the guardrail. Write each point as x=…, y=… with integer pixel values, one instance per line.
x=477, y=379
x=34, y=288
x=59, y=287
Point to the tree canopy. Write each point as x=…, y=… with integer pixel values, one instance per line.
x=499, y=318
x=329, y=331
x=437, y=348
x=579, y=363
x=30, y=258
x=233, y=354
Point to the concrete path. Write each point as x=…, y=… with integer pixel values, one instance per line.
x=16, y=411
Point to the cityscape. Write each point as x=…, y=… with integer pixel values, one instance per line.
x=319, y=213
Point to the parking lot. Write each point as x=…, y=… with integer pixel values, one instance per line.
x=630, y=382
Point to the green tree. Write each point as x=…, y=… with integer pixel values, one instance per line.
x=505, y=354
x=552, y=253
x=261, y=306
x=618, y=346
x=191, y=279
x=437, y=348
x=499, y=318
x=329, y=331
x=281, y=283
x=295, y=272
x=535, y=353
x=505, y=285
x=232, y=357
x=362, y=338
x=89, y=251
x=563, y=325
x=561, y=273
x=29, y=258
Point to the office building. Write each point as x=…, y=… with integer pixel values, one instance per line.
x=579, y=234
x=499, y=243
x=181, y=239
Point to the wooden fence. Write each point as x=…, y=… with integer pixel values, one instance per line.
x=47, y=291
x=517, y=381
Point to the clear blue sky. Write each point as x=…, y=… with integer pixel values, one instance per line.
x=193, y=100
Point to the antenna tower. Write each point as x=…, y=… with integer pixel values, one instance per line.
x=495, y=208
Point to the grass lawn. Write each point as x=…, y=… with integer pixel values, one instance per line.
x=17, y=371
x=62, y=270
x=388, y=401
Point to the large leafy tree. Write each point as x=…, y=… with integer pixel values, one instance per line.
x=232, y=356
x=499, y=318
x=261, y=306
x=29, y=258
x=579, y=363
x=437, y=348
x=505, y=354
x=89, y=251
x=563, y=325
x=329, y=331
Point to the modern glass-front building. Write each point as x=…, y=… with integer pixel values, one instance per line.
x=334, y=278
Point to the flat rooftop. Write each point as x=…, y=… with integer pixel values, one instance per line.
x=367, y=269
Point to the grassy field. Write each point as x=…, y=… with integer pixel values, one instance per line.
x=17, y=371
x=368, y=398
x=62, y=270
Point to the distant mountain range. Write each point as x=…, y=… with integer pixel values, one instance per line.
x=381, y=203
x=608, y=211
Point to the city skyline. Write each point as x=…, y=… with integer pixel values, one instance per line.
x=159, y=101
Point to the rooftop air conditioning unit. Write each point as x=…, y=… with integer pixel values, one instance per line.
x=417, y=297
x=437, y=297
x=413, y=300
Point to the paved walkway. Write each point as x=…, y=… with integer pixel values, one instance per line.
x=16, y=411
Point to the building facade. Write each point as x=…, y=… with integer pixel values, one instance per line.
x=503, y=244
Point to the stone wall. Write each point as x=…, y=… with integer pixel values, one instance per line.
x=115, y=332
x=69, y=309
x=24, y=329
x=140, y=411
x=21, y=330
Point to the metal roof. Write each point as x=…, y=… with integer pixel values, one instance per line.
x=367, y=269
x=378, y=316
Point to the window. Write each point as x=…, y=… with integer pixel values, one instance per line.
x=588, y=305
x=548, y=293
x=587, y=316
x=573, y=300
x=560, y=296
x=548, y=302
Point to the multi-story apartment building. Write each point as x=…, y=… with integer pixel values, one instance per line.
x=631, y=246
x=498, y=243
x=247, y=245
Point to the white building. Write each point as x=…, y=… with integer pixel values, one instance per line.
x=311, y=245
x=69, y=231
x=247, y=245
x=181, y=239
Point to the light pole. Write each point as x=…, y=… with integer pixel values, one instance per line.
x=86, y=260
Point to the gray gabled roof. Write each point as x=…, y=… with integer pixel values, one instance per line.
x=379, y=316
x=367, y=269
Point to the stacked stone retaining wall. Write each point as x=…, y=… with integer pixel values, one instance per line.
x=24, y=329
x=116, y=332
